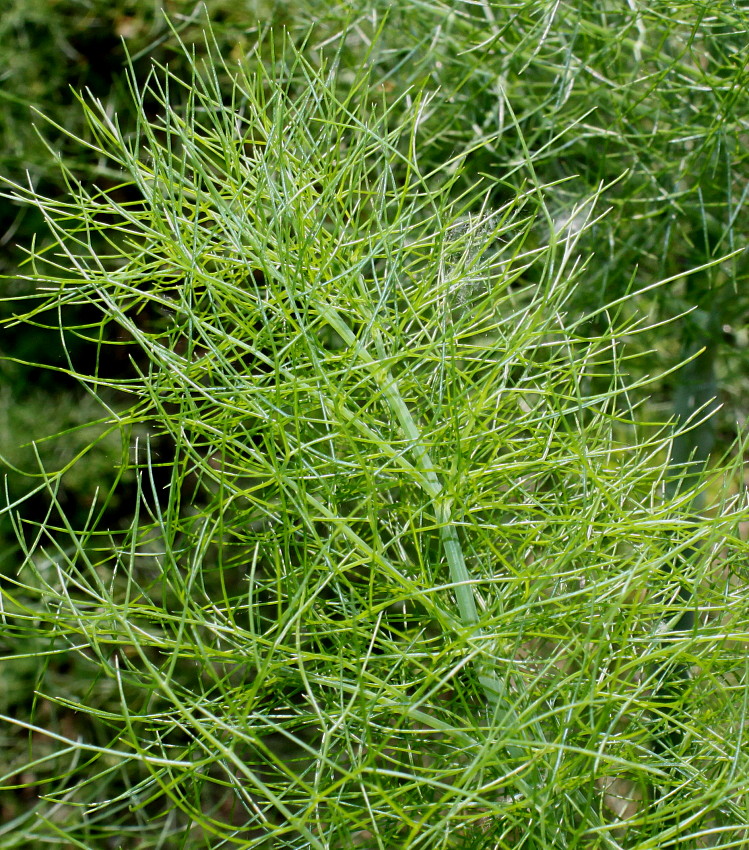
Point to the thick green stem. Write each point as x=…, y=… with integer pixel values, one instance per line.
x=493, y=688
x=429, y=478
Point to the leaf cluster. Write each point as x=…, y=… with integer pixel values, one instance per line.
x=399, y=568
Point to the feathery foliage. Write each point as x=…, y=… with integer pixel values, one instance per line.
x=402, y=565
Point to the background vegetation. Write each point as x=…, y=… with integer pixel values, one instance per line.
x=371, y=378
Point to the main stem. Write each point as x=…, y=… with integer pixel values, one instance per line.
x=493, y=688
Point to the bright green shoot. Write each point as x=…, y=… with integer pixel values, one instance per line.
x=393, y=570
